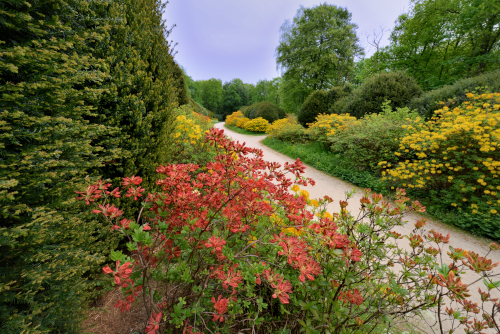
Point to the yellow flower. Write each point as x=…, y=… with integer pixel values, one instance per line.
x=314, y=203
x=304, y=194
x=295, y=187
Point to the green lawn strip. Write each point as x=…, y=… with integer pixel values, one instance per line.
x=315, y=155
x=243, y=131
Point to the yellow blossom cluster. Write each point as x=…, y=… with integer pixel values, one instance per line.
x=276, y=127
x=458, y=149
x=242, y=121
x=186, y=130
x=327, y=125
x=233, y=118
x=258, y=124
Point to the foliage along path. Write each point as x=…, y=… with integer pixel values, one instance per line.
x=336, y=189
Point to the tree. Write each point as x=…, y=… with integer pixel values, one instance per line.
x=441, y=41
x=233, y=96
x=212, y=94
x=317, y=50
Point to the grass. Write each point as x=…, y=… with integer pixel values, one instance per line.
x=243, y=131
x=316, y=155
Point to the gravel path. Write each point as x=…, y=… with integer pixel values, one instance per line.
x=336, y=188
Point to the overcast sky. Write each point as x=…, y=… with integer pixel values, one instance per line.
x=227, y=39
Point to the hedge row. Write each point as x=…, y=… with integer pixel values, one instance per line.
x=87, y=90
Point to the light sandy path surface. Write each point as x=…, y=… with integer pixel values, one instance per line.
x=336, y=189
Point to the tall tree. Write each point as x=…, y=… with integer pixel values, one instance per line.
x=317, y=49
x=212, y=94
x=441, y=41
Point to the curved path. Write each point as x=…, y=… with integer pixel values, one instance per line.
x=336, y=189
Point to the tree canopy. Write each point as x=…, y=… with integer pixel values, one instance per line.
x=441, y=41
x=317, y=49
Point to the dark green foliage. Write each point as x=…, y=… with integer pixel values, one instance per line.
x=180, y=84
x=200, y=109
x=397, y=87
x=454, y=95
x=86, y=90
x=245, y=110
x=267, y=110
x=320, y=102
x=317, y=102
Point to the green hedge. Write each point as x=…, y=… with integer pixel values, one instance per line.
x=398, y=87
x=454, y=95
x=320, y=102
x=267, y=110
x=87, y=90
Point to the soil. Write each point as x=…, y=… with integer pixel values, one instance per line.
x=104, y=318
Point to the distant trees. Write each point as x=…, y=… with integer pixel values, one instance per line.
x=316, y=51
x=441, y=41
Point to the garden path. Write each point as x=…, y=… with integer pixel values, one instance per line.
x=336, y=189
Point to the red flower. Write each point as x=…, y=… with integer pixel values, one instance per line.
x=131, y=180
x=221, y=307
x=153, y=323
x=110, y=211
x=136, y=192
x=122, y=272
x=282, y=290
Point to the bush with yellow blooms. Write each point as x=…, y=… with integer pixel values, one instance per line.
x=189, y=134
x=234, y=117
x=257, y=125
x=287, y=130
x=455, y=158
x=327, y=125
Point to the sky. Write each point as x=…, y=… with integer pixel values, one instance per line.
x=228, y=39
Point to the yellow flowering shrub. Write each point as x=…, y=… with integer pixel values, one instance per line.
x=257, y=125
x=189, y=132
x=455, y=155
x=241, y=122
x=327, y=125
x=233, y=118
x=276, y=126
x=287, y=130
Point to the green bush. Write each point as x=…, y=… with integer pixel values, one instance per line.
x=87, y=91
x=374, y=138
x=320, y=102
x=200, y=109
x=454, y=95
x=397, y=87
x=267, y=110
x=245, y=110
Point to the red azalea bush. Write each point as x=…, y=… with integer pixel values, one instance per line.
x=227, y=248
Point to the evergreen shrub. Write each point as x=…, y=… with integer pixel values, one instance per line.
x=320, y=102
x=267, y=110
x=87, y=93
x=398, y=87
x=454, y=95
